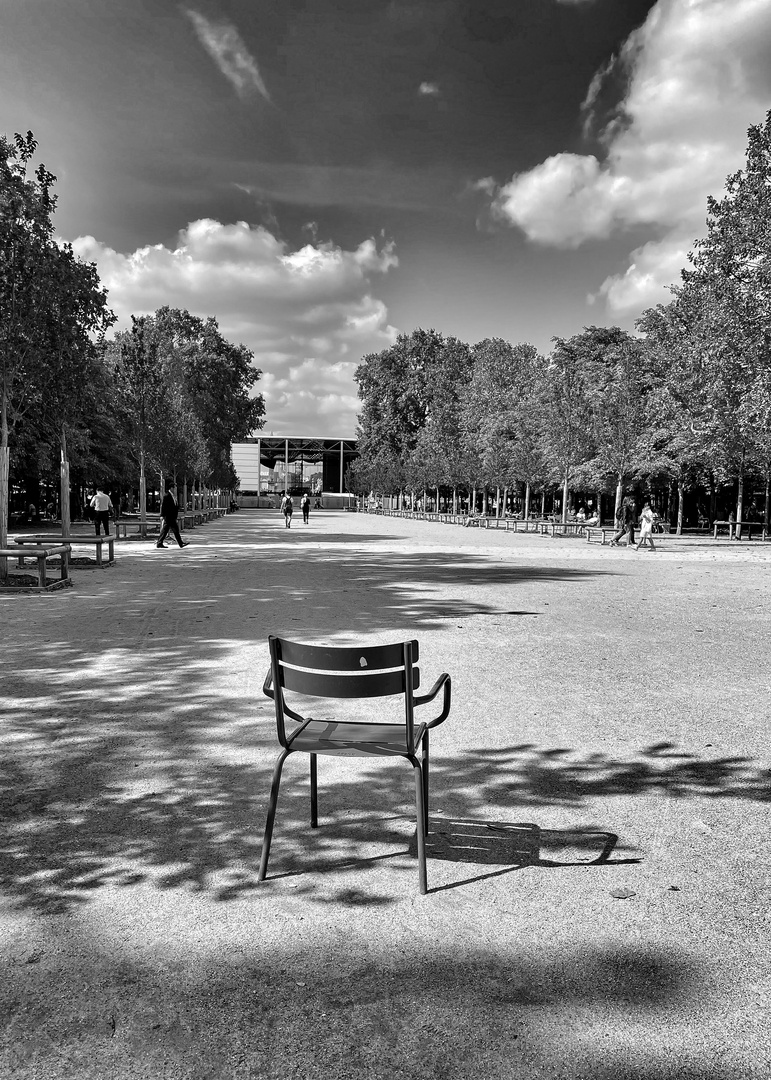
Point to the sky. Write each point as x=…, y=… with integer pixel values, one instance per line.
x=322, y=175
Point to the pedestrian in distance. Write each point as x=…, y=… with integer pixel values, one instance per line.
x=287, y=509
x=101, y=504
x=620, y=527
x=305, y=504
x=170, y=513
x=647, y=517
x=625, y=523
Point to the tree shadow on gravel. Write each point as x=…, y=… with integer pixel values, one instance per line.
x=133, y=752
x=404, y=592
x=163, y=779
x=455, y=1011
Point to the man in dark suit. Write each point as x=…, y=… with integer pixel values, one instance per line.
x=169, y=512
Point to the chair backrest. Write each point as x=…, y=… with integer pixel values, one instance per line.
x=344, y=672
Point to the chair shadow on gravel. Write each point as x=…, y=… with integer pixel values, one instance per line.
x=514, y=845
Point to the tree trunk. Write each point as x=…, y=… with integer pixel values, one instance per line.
x=565, y=499
x=473, y=500
x=740, y=499
x=619, y=497
x=768, y=486
x=680, y=504
x=184, y=494
x=527, y=500
x=64, y=485
x=543, y=503
x=142, y=493
x=712, y=499
x=498, y=501
x=505, y=502
x=4, y=457
x=4, y=487
x=455, y=500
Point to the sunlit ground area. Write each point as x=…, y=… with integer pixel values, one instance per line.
x=598, y=863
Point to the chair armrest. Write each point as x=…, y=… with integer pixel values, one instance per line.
x=267, y=689
x=421, y=699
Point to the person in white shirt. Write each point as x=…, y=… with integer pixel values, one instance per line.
x=646, y=528
x=101, y=504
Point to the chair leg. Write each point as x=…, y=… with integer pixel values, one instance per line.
x=425, y=783
x=271, y=814
x=314, y=792
x=422, y=877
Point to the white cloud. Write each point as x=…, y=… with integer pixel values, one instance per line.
x=429, y=89
x=226, y=47
x=697, y=77
x=308, y=314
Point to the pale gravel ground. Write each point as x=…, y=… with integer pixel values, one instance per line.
x=597, y=694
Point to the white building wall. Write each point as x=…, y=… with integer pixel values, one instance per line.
x=246, y=462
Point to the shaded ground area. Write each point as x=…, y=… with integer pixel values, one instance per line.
x=607, y=737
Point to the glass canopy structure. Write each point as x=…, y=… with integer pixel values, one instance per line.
x=268, y=463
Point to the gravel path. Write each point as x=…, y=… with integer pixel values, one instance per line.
x=608, y=736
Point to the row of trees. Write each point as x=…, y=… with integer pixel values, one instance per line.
x=170, y=395
x=687, y=401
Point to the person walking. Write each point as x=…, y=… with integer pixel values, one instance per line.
x=305, y=504
x=625, y=523
x=170, y=513
x=101, y=504
x=287, y=509
x=647, y=517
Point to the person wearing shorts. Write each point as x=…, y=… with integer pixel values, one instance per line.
x=286, y=510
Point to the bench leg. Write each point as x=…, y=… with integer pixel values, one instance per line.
x=41, y=570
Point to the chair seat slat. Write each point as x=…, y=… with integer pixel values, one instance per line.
x=343, y=738
x=329, y=658
x=322, y=684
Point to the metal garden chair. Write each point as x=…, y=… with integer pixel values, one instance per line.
x=334, y=672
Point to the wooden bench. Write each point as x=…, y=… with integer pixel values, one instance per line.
x=41, y=553
x=152, y=524
x=521, y=524
x=736, y=529
x=96, y=542
x=598, y=533
x=186, y=519
x=562, y=528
